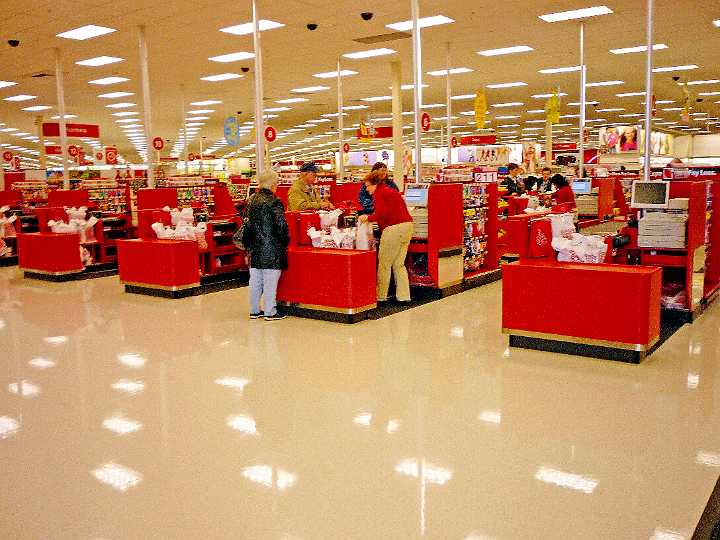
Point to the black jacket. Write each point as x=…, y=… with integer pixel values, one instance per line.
x=265, y=234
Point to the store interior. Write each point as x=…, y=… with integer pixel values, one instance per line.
x=558, y=164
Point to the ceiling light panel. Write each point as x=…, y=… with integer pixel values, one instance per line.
x=546, y=96
x=423, y=22
x=5, y=84
x=506, y=50
x=509, y=104
x=221, y=77
x=123, y=105
x=86, y=32
x=100, y=61
x=605, y=83
x=115, y=95
x=309, y=89
x=109, y=80
x=232, y=57
x=453, y=71
x=20, y=97
x=37, y=108
x=245, y=29
x=583, y=13
x=292, y=100
x=333, y=74
x=638, y=49
x=551, y=71
x=507, y=85
x=369, y=53
x=675, y=68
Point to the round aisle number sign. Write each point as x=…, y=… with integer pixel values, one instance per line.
x=73, y=150
x=454, y=142
x=425, y=122
x=111, y=156
x=191, y=157
x=158, y=143
x=270, y=134
x=346, y=148
x=7, y=155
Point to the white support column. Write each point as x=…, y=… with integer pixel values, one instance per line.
x=583, y=99
x=417, y=78
x=41, y=144
x=147, y=112
x=397, y=124
x=259, y=113
x=60, y=86
x=448, y=98
x=184, y=133
x=648, y=90
x=340, y=126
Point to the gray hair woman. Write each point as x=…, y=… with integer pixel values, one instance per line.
x=265, y=237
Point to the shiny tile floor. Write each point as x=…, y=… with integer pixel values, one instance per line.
x=127, y=417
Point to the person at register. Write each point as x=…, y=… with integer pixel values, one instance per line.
x=512, y=183
x=564, y=193
x=303, y=195
x=365, y=199
x=544, y=184
x=396, y=224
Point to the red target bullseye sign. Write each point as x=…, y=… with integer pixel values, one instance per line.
x=111, y=156
x=454, y=142
x=425, y=122
x=346, y=148
x=270, y=134
x=7, y=155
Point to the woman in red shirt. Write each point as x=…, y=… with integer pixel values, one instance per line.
x=396, y=224
x=564, y=193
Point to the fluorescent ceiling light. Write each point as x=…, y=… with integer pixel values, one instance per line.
x=566, y=480
x=639, y=48
x=410, y=86
x=248, y=28
x=463, y=96
x=123, y=105
x=278, y=109
x=66, y=116
x=506, y=50
x=675, y=68
x=109, y=80
x=332, y=74
x=37, y=108
x=423, y=22
x=126, y=120
x=710, y=81
x=577, y=104
x=114, y=95
x=125, y=113
x=615, y=109
x=369, y=54
x=545, y=96
x=201, y=111
x=232, y=57
x=377, y=98
x=355, y=107
x=672, y=109
x=507, y=117
x=86, y=32
x=716, y=23
x=309, y=89
x=20, y=97
x=453, y=71
x=5, y=84
x=100, y=61
x=509, y=104
x=507, y=85
x=206, y=102
x=630, y=94
x=631, y=115
x=193, y=118
x=536, y=121
x=605, y=83
x=576, y=14
x=292, y=100
x=221, y=77
x=664, y=101
x=536, y=111
x=319, y=121
x=550, y=71
x=709, y=94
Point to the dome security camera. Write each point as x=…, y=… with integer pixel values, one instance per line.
x=700, y=100
x=13, y=42
x=244, y=69
x=366, y=16
x=676, y=78
x=312, y=26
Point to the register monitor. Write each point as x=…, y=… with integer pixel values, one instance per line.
x=650, y=194
x=416, y=195
x=582, y=187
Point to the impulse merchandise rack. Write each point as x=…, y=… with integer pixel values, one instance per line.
x=8, y=239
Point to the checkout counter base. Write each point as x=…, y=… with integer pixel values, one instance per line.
x=8, y=261
x=207, y=285
x=93, y=271
x=484, y=278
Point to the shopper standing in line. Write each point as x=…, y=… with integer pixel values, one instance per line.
x=266, y=238
x=396, y=224
x=366, y=201
x=564, y=193
x=303, y=194
x=512, y=183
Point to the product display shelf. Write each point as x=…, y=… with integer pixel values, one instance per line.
x=712, y=242
x=106, y=196
x=33, y=193
x=481, y=229
x=221, y=255
x=8, y=241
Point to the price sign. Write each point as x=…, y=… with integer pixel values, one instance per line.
x=158, y=143
x=425, y=122
x=270, y=134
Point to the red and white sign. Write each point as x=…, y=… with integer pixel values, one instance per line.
x=98, y=156
x=111, y=155
x=52, y=129
x=270, y=134
x=73, y=150
x=564, y=147
x=7, y=155
x=425, y=122
x=454, y=142
x=191, y=157
x=379, y=132
x=53, y=150
x=16, y=163
x=158, y=143
x=586, y=135
x=478, y=140
x=346, y=148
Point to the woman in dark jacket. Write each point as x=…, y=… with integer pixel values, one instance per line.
x=265, y=237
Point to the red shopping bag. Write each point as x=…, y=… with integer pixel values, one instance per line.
x=541, y=239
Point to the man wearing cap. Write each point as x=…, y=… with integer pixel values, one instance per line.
x=303, y=195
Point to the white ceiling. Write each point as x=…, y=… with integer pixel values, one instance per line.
x=183, y=35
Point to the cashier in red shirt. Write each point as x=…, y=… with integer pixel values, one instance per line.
x=564, y=193
x=396, y=224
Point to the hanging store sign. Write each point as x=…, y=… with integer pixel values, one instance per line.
x=52, y=129
x=476, y=140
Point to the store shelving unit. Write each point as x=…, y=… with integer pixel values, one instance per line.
x=221, y=255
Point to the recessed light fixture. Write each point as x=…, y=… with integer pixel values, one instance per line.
x=377, y=98
x=248, y=28
x=355, y=107
x=696, y=83
x=292, y=100
x=123, y=105
x=577, y=103
x=545, y=96
x=630, y=94
x=576, y=14
x=507, y=117
x=615, y=109
x=20, y=97
x=333, y=74
x=37, y=108
x=709, y=94
x=369, y=53
x=509, y=104
x=5, y=84
x=201, y=111
x=673, y=109
x=506, y=50
x=605, y=83
x=86, y=32
x=126, y=120
x=232, y=57
x=57, y=117
x=100, y=61
x=462, y=97
x=423, y=22
x=115, y=95
x=109, y=80
x=125, y=113
x=638, y=49
x=630, y=115
x=309, y=89
x=221, y=77
x=278, y=109
x=675, y=68
x=507, y=85
x=453, y=71
x=550, y=71
x=206, y=102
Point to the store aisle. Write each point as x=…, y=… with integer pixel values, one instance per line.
x=125, y=417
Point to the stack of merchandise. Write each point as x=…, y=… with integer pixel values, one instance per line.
x=662, y=230
x=77, y=224
x=574, y=247
x=7, y=230
x=183, y=227
x=587, y=205
x=360, y=237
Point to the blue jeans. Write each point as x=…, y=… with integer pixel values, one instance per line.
x=263, y=283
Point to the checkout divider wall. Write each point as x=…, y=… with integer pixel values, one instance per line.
x=177, y=240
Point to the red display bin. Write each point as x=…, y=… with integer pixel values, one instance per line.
x=612, y=307
x=151, y=198
x=50, y=253
x=169, y=265
x=60, y=198
x=331, y=280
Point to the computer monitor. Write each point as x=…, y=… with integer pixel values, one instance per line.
x=650, y=194
x=416, y=195
x=582, y=187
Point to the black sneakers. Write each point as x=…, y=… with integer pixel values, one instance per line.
x=254, y=316
x=277, y=317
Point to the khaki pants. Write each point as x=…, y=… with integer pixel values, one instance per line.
x=394, y=244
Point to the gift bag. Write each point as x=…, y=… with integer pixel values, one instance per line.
x=363, y=234
x=540, y=239
x=200, y=229
x=329, y=220
x=563, y=225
